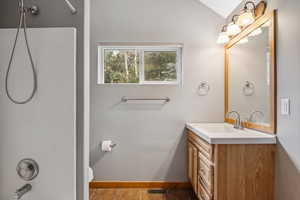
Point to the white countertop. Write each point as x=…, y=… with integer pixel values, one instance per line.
x=223, y=133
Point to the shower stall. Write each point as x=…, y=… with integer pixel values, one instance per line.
x=44, y=128
x=43, y=118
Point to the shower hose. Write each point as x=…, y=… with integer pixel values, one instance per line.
x=21, y=22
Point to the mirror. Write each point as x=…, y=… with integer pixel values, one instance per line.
x=250, y=75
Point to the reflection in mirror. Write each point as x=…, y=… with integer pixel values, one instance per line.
x=249, y=87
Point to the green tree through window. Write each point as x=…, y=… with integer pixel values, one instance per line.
x=140, y=65
x=160, y=66
x=121, y=66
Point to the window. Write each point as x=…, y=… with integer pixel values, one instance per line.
x=139, y=64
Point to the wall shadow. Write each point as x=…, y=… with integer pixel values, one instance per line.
x=96, y=155
x=287, y=178
x=176, y=157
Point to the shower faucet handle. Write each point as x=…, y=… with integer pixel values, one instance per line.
x=27, y=169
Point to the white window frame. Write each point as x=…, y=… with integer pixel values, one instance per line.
x=141, y=50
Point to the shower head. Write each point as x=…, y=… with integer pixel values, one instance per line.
x=35, y=10
x=71, y=7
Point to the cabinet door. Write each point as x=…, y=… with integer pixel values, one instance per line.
x=193, y=165
x=190, y=162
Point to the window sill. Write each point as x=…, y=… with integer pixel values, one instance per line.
x=139, y=84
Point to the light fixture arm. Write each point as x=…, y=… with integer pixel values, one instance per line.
x=249, y=3
x=224, y=28
x=234, y=18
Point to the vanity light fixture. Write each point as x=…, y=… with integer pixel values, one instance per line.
x=223, y=37
x=233, y=28
x=243, y=41
x=267, y=24
x=247, y=15
x=255, y=32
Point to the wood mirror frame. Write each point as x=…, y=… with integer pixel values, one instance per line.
x=271, y=17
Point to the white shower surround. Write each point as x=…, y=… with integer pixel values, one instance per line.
x=45, y=128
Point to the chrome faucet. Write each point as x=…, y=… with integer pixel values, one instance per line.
x=23, y=190
x=237, y=121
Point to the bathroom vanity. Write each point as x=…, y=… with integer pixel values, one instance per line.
x=235, y=160
x=229, y=164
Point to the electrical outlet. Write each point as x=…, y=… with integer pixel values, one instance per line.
x=285, y=106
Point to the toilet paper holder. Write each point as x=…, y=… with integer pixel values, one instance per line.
x=107, y=145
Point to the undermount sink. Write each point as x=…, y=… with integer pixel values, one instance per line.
x=223, y=133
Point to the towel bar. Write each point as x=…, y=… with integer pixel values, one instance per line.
x=126, y=99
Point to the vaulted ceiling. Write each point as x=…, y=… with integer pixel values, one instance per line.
x=222, y=7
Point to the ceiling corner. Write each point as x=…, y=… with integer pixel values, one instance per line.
x=222, y=7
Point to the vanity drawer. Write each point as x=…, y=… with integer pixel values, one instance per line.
x=202, y=193
x=204, y=148
x=205, y=173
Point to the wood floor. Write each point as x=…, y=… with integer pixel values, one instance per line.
x=140, y=194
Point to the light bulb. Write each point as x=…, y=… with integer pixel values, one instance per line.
x=255, y=32
x=243, y=41
x=223, y=38
x=246, y=18
x=233, y=29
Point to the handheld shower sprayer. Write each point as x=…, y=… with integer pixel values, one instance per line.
x=23, y=10
x=22, y=25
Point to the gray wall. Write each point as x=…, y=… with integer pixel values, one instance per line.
x=55, y=13
x=288, y=157
x=288, y=148
x=151, y=143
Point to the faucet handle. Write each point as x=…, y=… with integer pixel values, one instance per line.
x=27, y=169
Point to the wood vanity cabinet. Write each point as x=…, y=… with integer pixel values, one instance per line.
x=230, y=171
